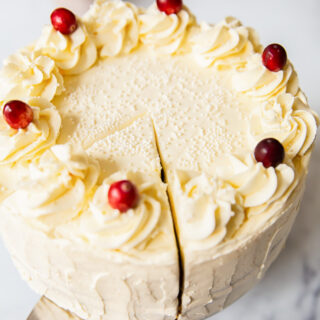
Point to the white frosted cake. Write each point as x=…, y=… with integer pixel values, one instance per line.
x=151, y=167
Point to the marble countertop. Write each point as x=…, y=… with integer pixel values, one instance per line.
x=291, y=288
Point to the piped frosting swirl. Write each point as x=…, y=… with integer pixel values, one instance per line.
x=57, y=187
x=73, y=53
x=30, y=74
x=256, y=81
x=41, y=133
x=162, y=32
x=259, y=185
x=100, y=223
x=212, y=209
x=287, y=119
x=225, y=45
x=114, y=26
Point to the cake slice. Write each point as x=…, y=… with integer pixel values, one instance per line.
x=94, y=260
x=232, y=211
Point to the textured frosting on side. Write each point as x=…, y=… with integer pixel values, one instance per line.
x=93, y=283
x=72, y=54
x=114, y=26
x=164, y=33
x=30, y=74
x=225, y=45
x=27, y=143
x=230, y=273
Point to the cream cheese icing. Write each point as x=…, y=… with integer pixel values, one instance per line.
x=30, y=74
x=114, y=26
x=41, y=134
x=196, y=96
x=72, y=54
x=164, y=33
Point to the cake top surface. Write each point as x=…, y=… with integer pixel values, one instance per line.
x=130, y=92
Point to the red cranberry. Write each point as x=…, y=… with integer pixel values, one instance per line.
x=17, y=114
x=64, y=20
x=270, y=152
x=170, y=6
x=123, y=195
x=274, y=57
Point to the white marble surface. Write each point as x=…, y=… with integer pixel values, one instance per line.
x=291, y=289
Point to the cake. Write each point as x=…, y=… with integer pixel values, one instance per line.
x=151, y=167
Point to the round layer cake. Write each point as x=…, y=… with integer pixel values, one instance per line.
x=151, y=167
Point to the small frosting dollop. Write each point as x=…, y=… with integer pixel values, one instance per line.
x=114, y=26
x=40, y=134
x=260, y=187
x=287, y=119
x=165, y=33
x=212, y=209
x=256, y=81
x=56, y=188
x=73, y=53
x=30, y=74
x=133, y=229
x=209, y=209
x=225, y=45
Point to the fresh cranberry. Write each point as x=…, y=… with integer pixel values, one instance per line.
x=17, y=114
x=123, y=195
x=270, y=152
x=274, y=57
x=170, y=6
x=64, y=20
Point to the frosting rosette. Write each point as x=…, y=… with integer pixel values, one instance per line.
x=212, y=208
x=112, y=229
x=30, y=74
x=40, y=134
x=165, y=33
x=259, y=187
x=225, y=45
x=287, y=119
x=56, y=187
x=209, y=209
x=256, y=81
x=72, y=53
x=114, y=26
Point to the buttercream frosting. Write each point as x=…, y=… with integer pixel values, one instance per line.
x=72, y=54
x=114, y=230
x=57, y=187
x=225, y=45
x=211, y=209
x=287, y=119
x=41, y=133
x=30, y=74
x=196, y=96
x=114, y=26
x=256, y=81
x=164, y=33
